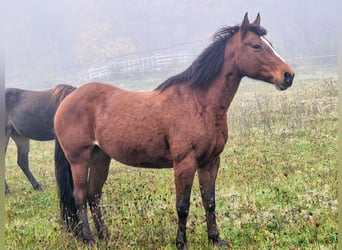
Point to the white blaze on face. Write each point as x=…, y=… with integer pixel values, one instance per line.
x=275, y=52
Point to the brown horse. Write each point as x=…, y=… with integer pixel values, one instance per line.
x=182, y=124
x=29, y=115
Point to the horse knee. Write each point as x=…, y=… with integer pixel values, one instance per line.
x=183, y=210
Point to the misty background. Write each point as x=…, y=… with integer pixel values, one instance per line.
x=138, y=44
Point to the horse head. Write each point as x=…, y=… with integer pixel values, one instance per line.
x=255, y=57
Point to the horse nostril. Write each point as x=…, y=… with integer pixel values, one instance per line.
x=288, y=78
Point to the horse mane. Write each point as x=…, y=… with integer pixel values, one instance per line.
x=60, y=92
x=208, y=64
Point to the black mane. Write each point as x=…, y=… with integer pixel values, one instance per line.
x=209, y=63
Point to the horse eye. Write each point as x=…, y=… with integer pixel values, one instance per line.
x=256, y=46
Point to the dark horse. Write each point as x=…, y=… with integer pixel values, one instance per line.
x=29, y=115
x=182, y=124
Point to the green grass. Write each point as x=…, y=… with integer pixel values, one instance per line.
x=276, y=188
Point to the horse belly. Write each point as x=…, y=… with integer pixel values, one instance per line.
x=148, y=162
x=35, y=129
x=146, y=154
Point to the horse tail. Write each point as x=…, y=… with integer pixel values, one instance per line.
x=65, y=188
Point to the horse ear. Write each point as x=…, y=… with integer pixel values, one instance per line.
x=244, y=25
x=257, y=20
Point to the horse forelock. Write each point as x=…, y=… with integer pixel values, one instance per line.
x=257, y=29
x=227, y=32
x=60, y=92
x=209, y=63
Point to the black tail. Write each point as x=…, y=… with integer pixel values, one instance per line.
x=65, y=188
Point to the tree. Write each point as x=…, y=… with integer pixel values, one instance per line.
x=96, y=43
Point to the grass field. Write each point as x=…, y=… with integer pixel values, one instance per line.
x=276, y=188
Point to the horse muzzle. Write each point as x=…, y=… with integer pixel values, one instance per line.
x=286, y=82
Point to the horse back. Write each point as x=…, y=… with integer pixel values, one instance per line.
x=30, y=113
x=121, y=123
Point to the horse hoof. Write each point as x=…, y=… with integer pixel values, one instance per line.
x=87, y=237
x=222, y=243
x=89, y=241
x=181, y=246
x=38, y=187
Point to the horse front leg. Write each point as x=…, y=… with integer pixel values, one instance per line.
x=184, y=175
x=207, y=178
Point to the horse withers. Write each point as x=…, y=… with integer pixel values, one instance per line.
x=29, y=115
x=182, y=124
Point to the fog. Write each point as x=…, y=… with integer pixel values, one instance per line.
x=51, y=42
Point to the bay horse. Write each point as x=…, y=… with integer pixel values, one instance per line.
x=182, y=124
x=29, y=115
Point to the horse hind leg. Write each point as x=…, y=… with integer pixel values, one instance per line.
x=7, y=190
x=23, y=148
x=99, y=167
x=72, y=182
x=89, y=174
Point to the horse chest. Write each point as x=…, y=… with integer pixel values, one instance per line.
x=216, y=145
x=217, y=135
x=206, y=142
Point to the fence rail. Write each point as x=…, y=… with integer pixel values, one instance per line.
x=137, y=63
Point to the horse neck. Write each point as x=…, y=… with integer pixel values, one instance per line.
x=222, y=90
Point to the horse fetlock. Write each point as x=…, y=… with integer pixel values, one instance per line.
x=86, y=235
x=103, y=233
x=222, y=243
x=212, y=231
x=181, y=240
